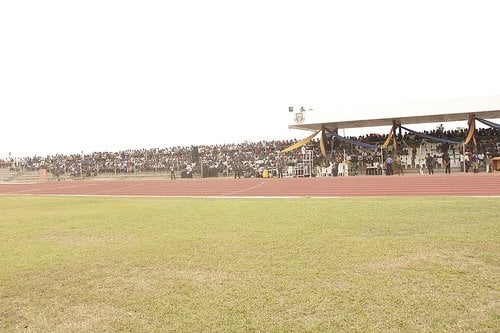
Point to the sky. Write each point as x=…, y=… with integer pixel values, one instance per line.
x=111, y=75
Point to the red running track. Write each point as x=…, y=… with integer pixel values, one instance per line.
x=407, y=185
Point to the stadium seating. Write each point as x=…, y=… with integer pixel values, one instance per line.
x=252, y=158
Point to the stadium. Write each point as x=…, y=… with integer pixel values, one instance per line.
x=336, y=233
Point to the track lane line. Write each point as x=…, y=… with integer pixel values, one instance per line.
x=243, y=190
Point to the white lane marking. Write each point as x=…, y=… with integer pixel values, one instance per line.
x=350, y=196
x=243, y=190
x=52, y=188
x=117, y=189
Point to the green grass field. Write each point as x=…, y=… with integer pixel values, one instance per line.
x=243, y=265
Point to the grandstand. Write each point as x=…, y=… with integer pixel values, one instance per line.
x=409, y=146
x=330, y=155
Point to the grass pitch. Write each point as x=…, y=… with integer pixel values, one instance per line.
x=273, y=265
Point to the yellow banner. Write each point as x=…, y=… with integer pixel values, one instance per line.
x=389, y=137
x=300, y=143
x=472, y=128
x=322, y=143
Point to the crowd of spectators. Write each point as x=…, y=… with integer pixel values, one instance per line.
x=248, y=158
x=222, y=159
x=415, y=148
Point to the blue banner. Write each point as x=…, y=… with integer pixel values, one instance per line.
x=429, y=137
x=489, y=123
x=353, y=142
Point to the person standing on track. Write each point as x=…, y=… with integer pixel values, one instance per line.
x=398, y=165
x=467, y=161
x=429, y=162
x=475, y=162
x=237, y=170
x=172, y=172
x=388, y=165
x=447, y=163
x=279, y=166
x=487, y=162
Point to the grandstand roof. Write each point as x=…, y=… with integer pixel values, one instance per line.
x=410, y=113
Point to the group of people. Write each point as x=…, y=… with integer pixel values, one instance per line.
x=250, y=159
x=246, y=158
x=468, y=160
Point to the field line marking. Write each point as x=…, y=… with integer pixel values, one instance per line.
x=52, y=188
x=243, y=190
x=117, y=189
x=350, y=196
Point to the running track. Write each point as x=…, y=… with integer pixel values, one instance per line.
x=407, y=185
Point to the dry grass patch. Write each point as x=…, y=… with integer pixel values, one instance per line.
x=142, y=264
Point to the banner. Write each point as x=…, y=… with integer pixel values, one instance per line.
x=431, y=138
x=42, y=175
x=322, y=143
x=389, y=137
x=300, y=143
x=355, y=142
x=489, y=123
x=394, y=141
x=472, y=128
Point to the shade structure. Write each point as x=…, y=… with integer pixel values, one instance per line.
x=409, y=113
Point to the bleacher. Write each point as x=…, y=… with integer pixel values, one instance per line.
x=9, y=176
x=256, y=159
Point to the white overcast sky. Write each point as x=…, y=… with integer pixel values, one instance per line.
x=110, y=75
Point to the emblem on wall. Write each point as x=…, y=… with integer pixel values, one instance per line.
x=299, y=118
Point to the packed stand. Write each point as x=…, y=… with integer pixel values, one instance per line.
x=254, y=159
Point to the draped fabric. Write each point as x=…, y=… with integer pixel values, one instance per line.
x=472, y=128
x=389, y=137
x=489, y=123
x=394, y=141
x=301, y=142
x=355, y=142
x=322, y=143
x=429, y=137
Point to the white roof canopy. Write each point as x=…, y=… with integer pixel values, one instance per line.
x=413, y=113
